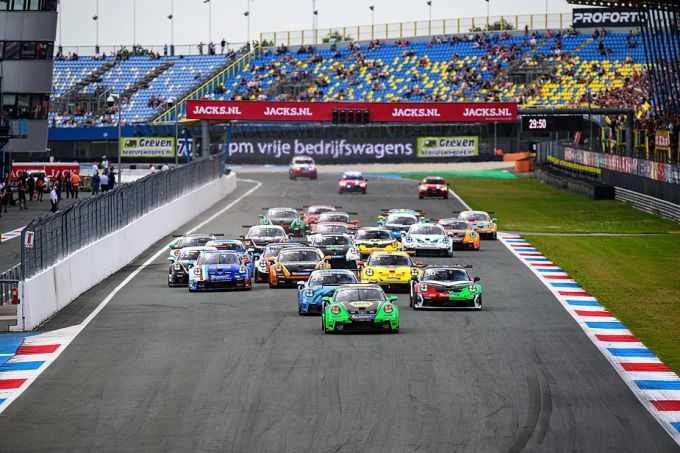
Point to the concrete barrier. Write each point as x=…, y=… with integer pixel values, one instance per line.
x=44, y=294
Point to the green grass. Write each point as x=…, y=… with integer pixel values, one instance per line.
x=525, y=204
x=499, y=174
x=635, y=278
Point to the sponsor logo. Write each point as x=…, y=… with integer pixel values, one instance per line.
x=486, y=112
x=415, y=112
x=288, y=111
x=610, y=17
x=201, y=109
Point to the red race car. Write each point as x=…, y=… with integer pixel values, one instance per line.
x=433, y=187
x=312, y=212
x=302, y=167
x=352, y=181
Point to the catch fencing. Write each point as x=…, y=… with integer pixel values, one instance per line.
x=47, y=240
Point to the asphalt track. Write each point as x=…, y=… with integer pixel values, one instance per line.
x=162, y=370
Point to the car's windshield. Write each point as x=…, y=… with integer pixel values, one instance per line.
x=359, y=294
x=446, y=275
x=352, y=177
x=218, y=258
x=265, y=232
x=374, y=234
x=331, y=229
x=235, y=246
x=281, y=214
x=334, y=217
x=331, y=279
x=454, y=224
x=314, y=210
x=271, y=252
x=303, y=161
x=433, y=181
x=189, y=255
x=293, y=256
x=475, y=216
x=193, y=241
x=427, y=229
x=331, y=240
x=401, y=220
x=389, y=260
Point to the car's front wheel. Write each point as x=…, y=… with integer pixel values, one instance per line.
x=478, y=303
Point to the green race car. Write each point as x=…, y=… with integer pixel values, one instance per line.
x=288, y=218
x=360, y=308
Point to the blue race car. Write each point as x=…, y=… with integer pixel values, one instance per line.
x=235, y=245
x=217, y=269
x=320, y=284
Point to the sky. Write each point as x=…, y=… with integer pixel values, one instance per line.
x=228, y=21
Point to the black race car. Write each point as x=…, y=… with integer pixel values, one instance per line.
x=340, y=248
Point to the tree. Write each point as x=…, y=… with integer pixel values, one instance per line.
x=335, y=36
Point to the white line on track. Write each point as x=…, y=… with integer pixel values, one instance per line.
x=66, y=335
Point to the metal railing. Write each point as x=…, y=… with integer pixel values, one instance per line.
x=171, y=115
x=417, y=29
x=648, y=204
x=111, y=49
x=59, y=235
x=9, y=281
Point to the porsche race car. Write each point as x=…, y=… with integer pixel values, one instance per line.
x=234, y=245
x=311, y=213
x=352, y=181
x=331, y=228
x=178, y=271
x=446, y=287
x=375, y=239
x=481, y=221
x=260, y=236
x=287, y=218
x=217, y=269
x=360, y=307
x=391, y=270
x=268, y=256
x=424, y=238
x=384, y=213
x=341, y=249
x=294, y=264
x=433, y=187
x=337, y=217
x=321, y=284
x=188, y=240
x=398, y=224
x=462, y=234
x=302, y=167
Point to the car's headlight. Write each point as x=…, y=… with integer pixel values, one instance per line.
x=177, y=267
x=414, y=271
x=473, y=234
x=176, y=252
x=262, y=264
x=278, y=268
x=395, y=245
x=197, y=271
x=472, y=288
x=309, y=293
x=408, y=239
x=445, y=240
x=423, y=287
x=242, y=270
x=389, y=308
x=335, y=310
x=369, y=272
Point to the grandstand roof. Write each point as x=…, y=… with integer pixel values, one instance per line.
x=663, y=4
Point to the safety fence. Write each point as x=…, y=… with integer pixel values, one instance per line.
x=8, y=284
x=50, y=239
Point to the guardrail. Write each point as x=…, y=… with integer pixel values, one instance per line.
x=648, y=204
x=171, y=115
x=47, y=240
x=417, y=29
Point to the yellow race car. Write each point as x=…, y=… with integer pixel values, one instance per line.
x=391, y=270
x=376, y=239
x=481, y=221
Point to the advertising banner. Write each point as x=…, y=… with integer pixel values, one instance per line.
x=606, y=17
x=447, y=147
x=460, y=112
x=148, y=147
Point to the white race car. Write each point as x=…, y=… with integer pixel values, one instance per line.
x=427, y=238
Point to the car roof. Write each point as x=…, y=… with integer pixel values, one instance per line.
x=276, y=227
x=225, y=252
x=353, y=173
x=333, y=271
x=474, y=212
x=304, y=247
x=374, y=229
x=197, y=248
x=331, y=223
x=402, y=214
x=360, y=285
x=395, y=253
x=227, y=241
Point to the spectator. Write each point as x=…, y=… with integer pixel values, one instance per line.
x=54, y=199
x=30, y=183
x=105, y=162
x=112, y=178
x=104, y=180
x=223, y=44
x=75, y=184
x=165, y=50
x=40, y=185
x=94, y=183
x=67, y=184
x=59, y=183
x=21, y=192
x=200, y=48
x=165, y=167
x=152, y=169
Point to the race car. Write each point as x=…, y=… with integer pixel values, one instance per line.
x=352, y=181
x=446, y=287
x=217, y=269
x=337, y=217
x=319, y=285
x=188, y=240
x=384, y=213
x=302, y=167
x=481, y=222
x=375, y=239
x=331, y=228
x=260, y=236
x=178, y=271
x=341, y=249
x=462, y=234
x=268, y=256
x=392, y=270
x=398, y=224
x=424, y=238
x=287, y=218
x=234, y=245
x=360, y=307
x=312, y=212
x=433, y=187
x=293, y=264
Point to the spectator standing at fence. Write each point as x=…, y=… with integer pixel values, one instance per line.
x=54, y=199
x=67, y=184
x=30, y=183
x=40, y=185
x=105, y=162
x=21, y=192
x=104, y=181
x=75, y=184
x=152, y=169
x=112, y=178
x=58, y=184
x=94, y=182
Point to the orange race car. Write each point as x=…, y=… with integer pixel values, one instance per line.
x=295, y=264
x=462, y=234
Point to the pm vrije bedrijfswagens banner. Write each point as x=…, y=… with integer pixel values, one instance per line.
x=148, y=147
x=448, y=146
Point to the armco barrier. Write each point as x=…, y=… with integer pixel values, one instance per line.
x=52, y=289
